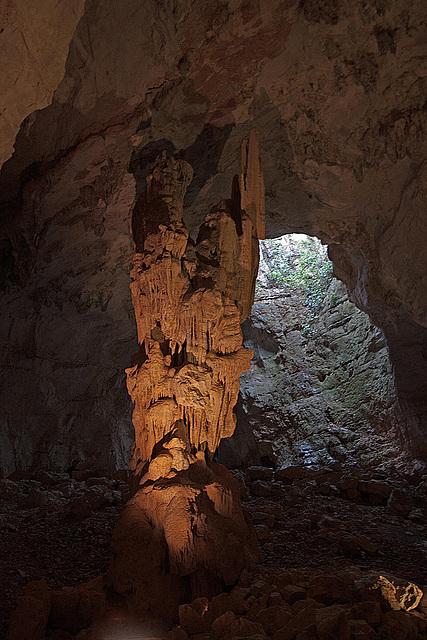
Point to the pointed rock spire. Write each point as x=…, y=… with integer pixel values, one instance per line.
x=251, y=183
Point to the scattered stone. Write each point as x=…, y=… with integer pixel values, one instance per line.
x=260, y=473
x=328, y=589
x=262, y=516
x=366, y=544
x=262, y=601
x=375, y=488
x=29, y=620
x=103, y=482
x=229, y=627
x=402, y=626
x=275, y=510
x=262, y=532
x=275, y=599
x=273, y=618
x=245, y=578
x=261, y=488
x=192, y=616
x=305, y=616
x=282, y=580
x=8, y=489
x=422, y=487
x=293, y=473
x=66, y=488
x=418, y=515
x=400, y=503
x=369, y=611
x=354, y=494
x=331, y=524
x=83, y=475
x=260, y=588
x=286, y=633
x=360, y=630
x=178, y=634
x=291, y=593
x=35, y=498
x=349, y=482
x=399, y=594
x=240, y=477
x=79, y=507
x=348, y=544
x=77, y=608
x=332, y=623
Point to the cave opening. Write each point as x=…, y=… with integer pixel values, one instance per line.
x=320, y=387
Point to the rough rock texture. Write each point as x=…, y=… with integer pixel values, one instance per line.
x=190, y=300
x=183, y=533
x=318, y=399
x=336, y=93
x=179, y=539
x=67, y=318
x=357, y=545
x=34, y=43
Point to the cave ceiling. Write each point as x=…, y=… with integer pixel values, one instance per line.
x=335, y=89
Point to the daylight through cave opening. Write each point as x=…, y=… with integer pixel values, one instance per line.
x=320, y=388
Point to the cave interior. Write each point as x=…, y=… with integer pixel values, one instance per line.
x=213, y=344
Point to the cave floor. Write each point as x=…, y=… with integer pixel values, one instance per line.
x=301, y=523
x=63, y=547
x=314, y=529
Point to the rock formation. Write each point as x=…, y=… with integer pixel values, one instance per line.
x=343, y=519
x=184, y=532
x=336, y=93
x=313, y=399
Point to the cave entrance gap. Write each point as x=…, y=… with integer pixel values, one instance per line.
x=320, y=388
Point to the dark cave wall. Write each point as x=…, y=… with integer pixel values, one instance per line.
x=67, y=319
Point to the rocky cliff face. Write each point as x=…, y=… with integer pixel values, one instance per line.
x=314, y=399
x=334, y=90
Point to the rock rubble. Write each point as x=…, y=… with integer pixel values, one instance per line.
x=331, y=564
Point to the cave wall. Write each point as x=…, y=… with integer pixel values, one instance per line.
x=320, y=397
x=336, y=94
x=34, y=42
x=67, y=318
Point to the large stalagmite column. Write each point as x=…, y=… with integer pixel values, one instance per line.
x=183, y=534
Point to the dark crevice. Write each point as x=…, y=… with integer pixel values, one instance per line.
x=179, y=356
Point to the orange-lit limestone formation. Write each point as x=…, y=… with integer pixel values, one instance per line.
x=190, y=301
x=184, y=531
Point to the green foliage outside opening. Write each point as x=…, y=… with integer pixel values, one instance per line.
x=299, y=265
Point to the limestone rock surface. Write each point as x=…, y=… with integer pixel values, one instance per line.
x=34, y=44
x=318, y=399
x=190, y=300
x=59, y=352
x=180, y=539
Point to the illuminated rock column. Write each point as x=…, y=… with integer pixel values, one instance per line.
x=184, y=530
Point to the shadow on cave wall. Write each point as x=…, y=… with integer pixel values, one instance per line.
x=203, y=155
